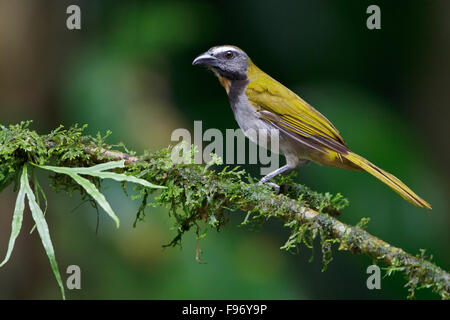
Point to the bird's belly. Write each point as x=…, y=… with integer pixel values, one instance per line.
x=254, y=128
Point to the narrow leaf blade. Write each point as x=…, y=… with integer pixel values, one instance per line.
x=42, y=228
x=97, y=195
x=124, y=177
x=107, y=166
x=99, y=171
x=87, y=170
x=17, y=217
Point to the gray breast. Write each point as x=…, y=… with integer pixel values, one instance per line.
x=245, y=114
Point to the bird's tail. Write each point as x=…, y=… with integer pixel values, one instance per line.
x=398, y=186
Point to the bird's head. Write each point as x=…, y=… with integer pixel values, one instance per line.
x=227, y=62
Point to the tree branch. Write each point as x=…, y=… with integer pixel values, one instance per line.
x=420, y=272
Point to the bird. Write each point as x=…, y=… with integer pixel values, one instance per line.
x=259, y=102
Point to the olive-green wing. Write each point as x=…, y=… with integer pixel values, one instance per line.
x=292, y=115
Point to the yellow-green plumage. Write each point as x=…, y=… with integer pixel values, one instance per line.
x=297, y=116
x=269, y=94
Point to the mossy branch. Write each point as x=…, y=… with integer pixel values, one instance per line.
x=199, y=198
x=238, y=195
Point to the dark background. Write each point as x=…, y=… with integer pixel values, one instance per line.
x=129, y=70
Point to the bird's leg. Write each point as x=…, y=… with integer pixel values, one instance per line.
x=283, y=169
x=274, y=173
x=270, y=176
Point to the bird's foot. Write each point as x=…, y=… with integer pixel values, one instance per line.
x=273, y=185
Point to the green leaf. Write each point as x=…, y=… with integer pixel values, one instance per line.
x=96, y=168
x=38, y=190
x=97, y=195
x=88, y=170
x=42, y=227
x=17, y=217
x=99, y=171
x=124, y=177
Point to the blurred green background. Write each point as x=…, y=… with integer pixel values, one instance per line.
x=129, y=70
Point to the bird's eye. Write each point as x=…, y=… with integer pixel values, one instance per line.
x=229, y=54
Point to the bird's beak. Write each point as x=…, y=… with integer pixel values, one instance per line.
x=205, y=59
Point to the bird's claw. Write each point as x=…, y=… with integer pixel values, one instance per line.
x=273, y=185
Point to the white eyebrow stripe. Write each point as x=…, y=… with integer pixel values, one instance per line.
x=223, y=49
